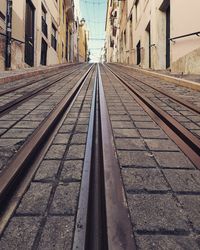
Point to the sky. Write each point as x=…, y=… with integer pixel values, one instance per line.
x=94, y=12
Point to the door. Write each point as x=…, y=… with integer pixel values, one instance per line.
x=168, y=37
x=29, y=33
x=148, y=29
x=138, y=53
x=43, y=60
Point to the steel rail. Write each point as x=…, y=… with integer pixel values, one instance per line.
x=15, y=103
x=12, y=89
x=16, y=177
x=175, y=98
x=185, y=140
x=102, y=209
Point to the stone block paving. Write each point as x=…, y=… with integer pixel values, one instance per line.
x=45, y=218
x=19, y=124
x=189, y=119
x=161, y=184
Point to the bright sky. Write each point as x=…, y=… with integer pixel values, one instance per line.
x=94, y=12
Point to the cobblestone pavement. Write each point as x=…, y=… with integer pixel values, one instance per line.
x=46, y=216
x=189, y=119
x=17, y=125
x=162, y=186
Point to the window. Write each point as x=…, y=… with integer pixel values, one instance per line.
x=137, y=10
x=53, y=37
x=44, y=24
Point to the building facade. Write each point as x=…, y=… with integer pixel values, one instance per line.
x=43, y=33
x=157, y=34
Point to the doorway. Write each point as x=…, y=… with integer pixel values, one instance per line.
x=148, y=29
x=43, y=60
x=29, y=33
x=138, y=53
x=168, y=37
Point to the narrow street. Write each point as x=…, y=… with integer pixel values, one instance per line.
x=53, y=192
x=99, y=125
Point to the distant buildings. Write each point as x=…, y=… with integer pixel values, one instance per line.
x=43, y=32
x=157, y=34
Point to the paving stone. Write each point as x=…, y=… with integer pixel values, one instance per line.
x=160, y=144
x=130, y=144
x=72, y=170
x=137, y=118
x=191, y=204
x=183, y=180
x=81, y=129
x=17, y=133
x=36, y=117
x=122, y=124
x=85, y=115
x=143, y=179
x=65, y=199
x=83, y=121
x=56, y=152
x=173, y=160
x=70, y=121
x=136, y=158
x=190, y=125
x=150, y=125
x=166, y=242
x=20, y=233
x=57, y=233
x=66, y=128
x=152, y=133
x=35, y=199
x=61, y=139
x=27, y=124
x=79, y=138
x=10, y=117
x=119, y=118
x=6, y=124
x=10, y=142
x=47, y=170
x=156, y=212
x=126, y=133
x=2, y=131
x=76, y=152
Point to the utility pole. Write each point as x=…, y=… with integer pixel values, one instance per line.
x=8, y=34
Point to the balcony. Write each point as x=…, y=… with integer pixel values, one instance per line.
x=44, y=28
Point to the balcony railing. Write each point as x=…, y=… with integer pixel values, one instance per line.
x=44, y=27
x=53, y=42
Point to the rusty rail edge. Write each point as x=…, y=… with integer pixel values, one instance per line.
x=175, y=98
x=184, y=139
x=80, y=235
x=33, y=145
x=12, y=89
x=119, y=228
x=15, y=103
x=36, y=72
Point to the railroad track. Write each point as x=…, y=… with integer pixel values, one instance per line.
x=6, y=108
x=33, y=81
x=16, y=177
x=184, y=139
x=165, y=93
x=102, y=207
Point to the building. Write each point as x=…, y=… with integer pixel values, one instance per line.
x=83, y=42
x=43, y=32
x=157, y=34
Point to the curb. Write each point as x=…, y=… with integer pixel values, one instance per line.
x=175, y=80
x=35, y=72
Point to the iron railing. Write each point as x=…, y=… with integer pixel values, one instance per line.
x=183, y=36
